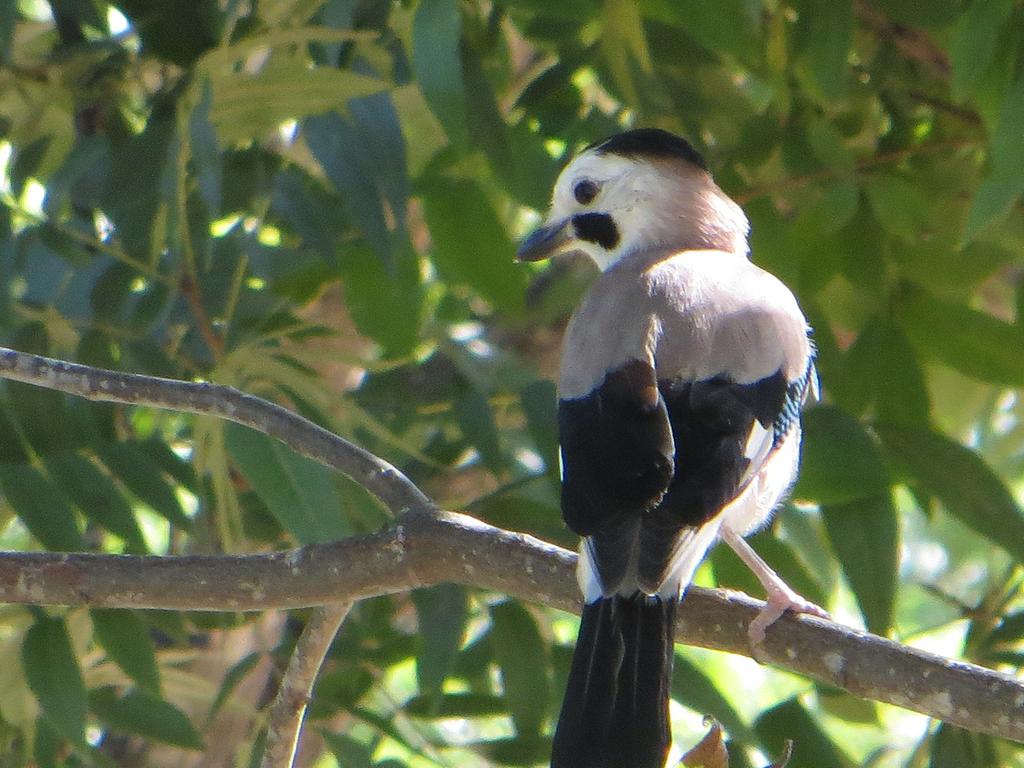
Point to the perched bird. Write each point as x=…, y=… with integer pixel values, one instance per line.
x=683, y=375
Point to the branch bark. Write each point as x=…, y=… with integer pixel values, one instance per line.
x=424, y=549
x=427, y=547
x=289, y=707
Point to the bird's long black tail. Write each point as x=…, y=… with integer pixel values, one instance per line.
x=615, y=711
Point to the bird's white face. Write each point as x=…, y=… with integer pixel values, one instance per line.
x=608, y=205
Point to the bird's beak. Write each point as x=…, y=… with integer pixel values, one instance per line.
x=545, y=241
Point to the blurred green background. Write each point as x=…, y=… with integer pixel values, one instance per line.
x=317, y=201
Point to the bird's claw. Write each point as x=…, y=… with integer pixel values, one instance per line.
x=780, y=599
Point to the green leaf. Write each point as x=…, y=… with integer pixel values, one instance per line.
x=733, y=573
x=523, y=659
x=343, y=153
x=180, y=470
x=143, y=477
x=961, y=480
x=472, y=410
x=974, y=46
x=724, y=26
x=899, y=205
x=140, y=713
x=126, y=639
x=864, y=534
x=309, y=209
x=1010, y=630
x=205, y=153
x=1005, y=183
x=442, y=613
x=159, y=26
x=825, y=30
x=840, y=703
x=41, y=413
x=135, y=190
x=812, y=747
x=470, y=243
x=246, y=105
x=516, y=750
x=953, y=747
x=881, y=372
x=974, y=343
x=8, y=19
x=387, y=306
x=436, y=29
x=690, y=686
x=97, y=496
x=299, y=492
x=42, y=507
x=53, y=674
x=349, y=752
x=457, y=705
x=539, y=401
x=12, y=449
x=47, y=744
x=841, y=462
x=232, y=678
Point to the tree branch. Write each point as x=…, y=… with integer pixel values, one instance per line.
x=379, y=477
x=289, y=707
x=427, y=547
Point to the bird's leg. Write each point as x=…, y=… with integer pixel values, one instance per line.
x=780, y=596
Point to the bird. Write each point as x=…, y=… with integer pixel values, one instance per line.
x=683, y=375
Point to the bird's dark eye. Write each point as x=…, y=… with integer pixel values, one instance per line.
x=585, y=191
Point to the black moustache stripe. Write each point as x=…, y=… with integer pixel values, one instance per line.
x=596, y=228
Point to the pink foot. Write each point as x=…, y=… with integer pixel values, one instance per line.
x=780, y=599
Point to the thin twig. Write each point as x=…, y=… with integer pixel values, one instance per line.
x=379, y=477
x=427, y=547
x=289, y=707
x=790, y=183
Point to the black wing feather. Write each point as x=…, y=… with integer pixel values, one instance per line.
x=616, y=449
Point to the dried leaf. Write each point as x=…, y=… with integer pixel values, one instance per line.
x=711, y=752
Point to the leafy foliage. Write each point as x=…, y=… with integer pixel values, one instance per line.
x=317, y=201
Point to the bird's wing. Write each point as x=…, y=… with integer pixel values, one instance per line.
x=616, y=449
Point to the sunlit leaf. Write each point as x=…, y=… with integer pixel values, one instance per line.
x=246, y=105
x=961, y=480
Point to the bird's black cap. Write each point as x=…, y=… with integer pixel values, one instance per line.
x=649, y=142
